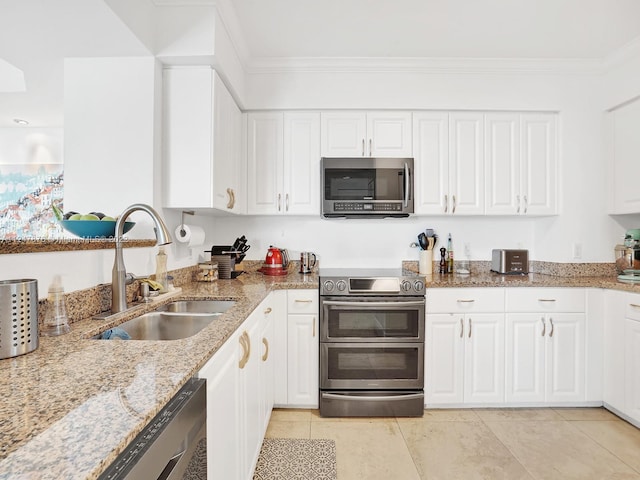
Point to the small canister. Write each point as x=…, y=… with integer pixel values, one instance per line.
x=207, y=272
x=18, y=317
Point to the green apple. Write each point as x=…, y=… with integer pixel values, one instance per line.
x=75, y=216
x=97, y=214
x=107, y=218
x=89, y=216
x=69, y=214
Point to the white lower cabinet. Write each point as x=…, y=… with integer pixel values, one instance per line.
x=464, y=347
x=302, y=348
x=632, y=358
x=545, y=349
x=614, y=356
x=239, y=398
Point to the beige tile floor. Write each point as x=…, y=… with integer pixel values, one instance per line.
x=509, y=444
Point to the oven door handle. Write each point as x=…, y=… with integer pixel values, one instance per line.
x=416, y=303
x=377, y=398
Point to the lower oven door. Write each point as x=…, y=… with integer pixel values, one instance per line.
x=371, y=366
x=356, y=403
x=372, y=319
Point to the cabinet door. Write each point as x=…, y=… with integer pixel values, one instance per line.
x=626, y=150
x=502, y=164
x=227, y=152
x=278, y=305
x=538, y=160
x=525, y=344
x=303, y=351
x=632, y=369
x=388, y=134
x=484, y=358
x=565, y=357
x=614, y=355
x=224, y=427
x=431, y=162
x=267, y=373
x=265, y=163
x=302, y=163
x=188, y=127
x=250, y=394
x=343, y=134
x=466, y=163
x=444, y=357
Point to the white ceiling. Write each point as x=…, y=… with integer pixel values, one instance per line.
x=35, y=35
x=585, y=29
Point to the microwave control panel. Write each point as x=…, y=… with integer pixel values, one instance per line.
x=366, y=207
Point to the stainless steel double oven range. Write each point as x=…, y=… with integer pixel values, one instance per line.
x=372, y=327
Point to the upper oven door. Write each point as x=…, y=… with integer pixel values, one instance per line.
x=372, y=319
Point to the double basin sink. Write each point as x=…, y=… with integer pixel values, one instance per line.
x=173, y=321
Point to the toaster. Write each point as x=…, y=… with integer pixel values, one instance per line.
x=507, y=261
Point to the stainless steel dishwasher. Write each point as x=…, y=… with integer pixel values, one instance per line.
x=172, y=442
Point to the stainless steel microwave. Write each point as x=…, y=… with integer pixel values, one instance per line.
x=366, y=187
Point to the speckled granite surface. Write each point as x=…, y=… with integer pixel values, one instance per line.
x=67, y=244
x=72, y=405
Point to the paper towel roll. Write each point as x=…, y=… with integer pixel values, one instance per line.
x=190, y=234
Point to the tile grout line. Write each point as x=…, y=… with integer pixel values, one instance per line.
x=516, y=458
x=598, y=443
x=406, y=444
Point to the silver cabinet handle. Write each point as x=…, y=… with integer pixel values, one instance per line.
x=465, y=301
x=634, y=305
x=370, y=149
x=363, y=147
x=446, y=203
x=286, y=202
x=268, y=311
x=551, y=322
x=544, y=326
x=469, y=328
x=546, y=299
x=303, y=301
x=453, y=210
x=230, y=202
x=518, y=202
x=525, y=204
x=461, y=328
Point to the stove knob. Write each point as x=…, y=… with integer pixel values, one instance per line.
x=405, y=285
x=341, y=285
x=328, y=286
x=419, y=286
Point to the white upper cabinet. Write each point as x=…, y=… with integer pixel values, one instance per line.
x=202, y=142
x=623, y=146
x=283, y=163
x=449, y=163
x=366, y=134
x=502, y=164
x=538, y=162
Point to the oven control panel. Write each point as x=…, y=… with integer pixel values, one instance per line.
x=392, y=286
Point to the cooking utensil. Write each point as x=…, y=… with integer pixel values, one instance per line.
x=422, y=240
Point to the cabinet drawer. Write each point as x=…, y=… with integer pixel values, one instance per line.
x=302, y=301
x=545, y=300
x=450, y=300
x=632, y=308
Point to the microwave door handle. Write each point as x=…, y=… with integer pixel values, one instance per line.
x=407, y=185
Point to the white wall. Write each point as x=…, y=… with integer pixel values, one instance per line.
x=574, y=93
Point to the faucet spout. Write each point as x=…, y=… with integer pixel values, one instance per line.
x=119, y=273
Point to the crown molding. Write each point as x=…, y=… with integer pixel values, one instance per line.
x=625, y=53
x=424, y=65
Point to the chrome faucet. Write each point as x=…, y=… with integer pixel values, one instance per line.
x=119, y=274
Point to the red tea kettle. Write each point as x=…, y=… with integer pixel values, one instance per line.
x=276, y=262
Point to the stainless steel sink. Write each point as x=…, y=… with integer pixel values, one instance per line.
x=197, y=306
x=159, y=326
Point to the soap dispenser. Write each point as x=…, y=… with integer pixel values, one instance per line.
x=56, y=321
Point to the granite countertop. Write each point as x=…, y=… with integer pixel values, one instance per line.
x=72, y=405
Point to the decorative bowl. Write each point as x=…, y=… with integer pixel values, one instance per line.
x=94, y=228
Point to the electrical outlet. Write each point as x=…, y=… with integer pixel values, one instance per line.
x=577, y=251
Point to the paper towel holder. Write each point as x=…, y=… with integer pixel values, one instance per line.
x=184, y=212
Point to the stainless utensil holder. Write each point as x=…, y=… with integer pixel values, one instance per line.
x=18, y=317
